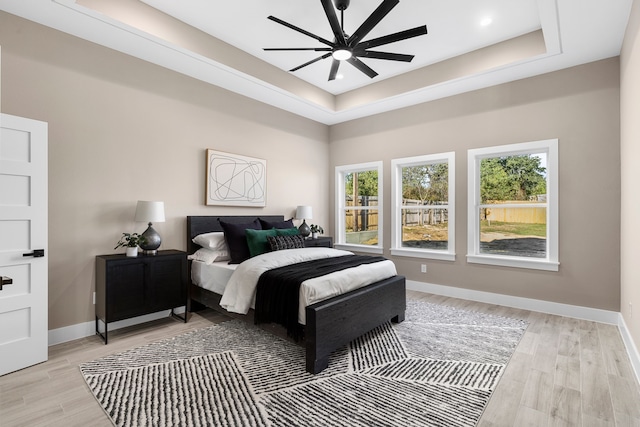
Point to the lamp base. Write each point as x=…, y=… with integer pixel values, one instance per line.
x=151, y=241
x=304, y=229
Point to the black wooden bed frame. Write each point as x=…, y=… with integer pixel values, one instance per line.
x=331, y=323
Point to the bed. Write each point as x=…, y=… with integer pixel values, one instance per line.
x=329, y=324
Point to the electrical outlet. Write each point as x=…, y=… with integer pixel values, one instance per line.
x=94, y=298
x=423, y=268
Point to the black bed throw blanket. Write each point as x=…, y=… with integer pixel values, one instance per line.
x=278, y=290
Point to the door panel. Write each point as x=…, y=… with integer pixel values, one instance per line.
x=15, y=235
x=128, y=291
x=14, y=190
x=23, y=228
x=21, y=284
x=164, y=276
x=14, y=326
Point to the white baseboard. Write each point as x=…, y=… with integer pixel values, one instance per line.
x=634, y=355
x=87, y=329
x=566, y=310
x=585, y=313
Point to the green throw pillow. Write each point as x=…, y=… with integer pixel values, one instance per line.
x=257, y=241
x=287, y=231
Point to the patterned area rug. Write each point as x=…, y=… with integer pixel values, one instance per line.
x=437, y=368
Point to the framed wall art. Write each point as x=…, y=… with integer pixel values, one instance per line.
x=235, y=180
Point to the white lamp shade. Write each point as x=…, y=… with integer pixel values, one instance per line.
x=304, y=212
x=149, y=211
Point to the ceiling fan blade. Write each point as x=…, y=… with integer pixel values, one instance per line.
x=334, y=69
x=395, y=37
x=333, y=21
x=362, y=66
x=373, y=20
x=326, y=55
x=300, y=30
x=316, y=49
x=384, y=55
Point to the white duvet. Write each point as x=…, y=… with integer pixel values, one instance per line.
x=240, y=292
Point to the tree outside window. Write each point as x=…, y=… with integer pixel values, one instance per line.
x=513, y=214
x=422, y=216
x=513, y=204
x=358, y=215
x=361, y=190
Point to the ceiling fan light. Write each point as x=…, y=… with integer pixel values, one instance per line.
x=341, y=54
x=485, y=22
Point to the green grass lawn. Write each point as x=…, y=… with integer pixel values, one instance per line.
x=538, y=230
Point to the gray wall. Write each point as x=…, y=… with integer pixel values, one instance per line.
x=113, y=118
x=580, y=107
x=122, y=130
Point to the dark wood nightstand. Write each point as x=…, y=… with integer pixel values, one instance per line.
x=127, y=287
x=323, y=242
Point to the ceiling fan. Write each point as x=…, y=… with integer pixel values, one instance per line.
x=350, y=48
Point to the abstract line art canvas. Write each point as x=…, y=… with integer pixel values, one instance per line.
x=235, y=180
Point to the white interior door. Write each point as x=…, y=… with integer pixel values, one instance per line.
x=23, y=232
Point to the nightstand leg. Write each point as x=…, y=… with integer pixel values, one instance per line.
x=104, y=337
x=177, y=316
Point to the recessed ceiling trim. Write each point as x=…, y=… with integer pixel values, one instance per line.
x=71, y=18
x=132, y=41
x=550, y=22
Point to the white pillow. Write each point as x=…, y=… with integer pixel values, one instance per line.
x=213, y=241
x=208, y=255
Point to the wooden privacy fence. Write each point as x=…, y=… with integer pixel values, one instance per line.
x=426, y=215
x=365, y=219
x=516, y=215
x=525, y=215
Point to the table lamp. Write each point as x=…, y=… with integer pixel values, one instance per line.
x=150, y=212
x=304, y=212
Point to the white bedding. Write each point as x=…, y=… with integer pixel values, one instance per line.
x=240, y=291
x=213, y=276
x=239, y=294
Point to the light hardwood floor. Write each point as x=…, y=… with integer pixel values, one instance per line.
x=564, y=372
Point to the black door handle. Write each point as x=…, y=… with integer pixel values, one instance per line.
x=37, y=253
x=4, y=280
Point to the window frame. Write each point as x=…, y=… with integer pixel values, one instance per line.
x=340, y=238
x=474, y=157
x=396, y=199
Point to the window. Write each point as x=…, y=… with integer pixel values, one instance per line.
x=359, y=207
x=423, y=214
x=513, y=205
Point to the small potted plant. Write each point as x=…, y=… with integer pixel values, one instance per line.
x=315, y=230
x=131, y=242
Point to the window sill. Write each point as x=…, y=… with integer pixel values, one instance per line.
x=421, y=253
x=359, y=248
x=535, y=264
